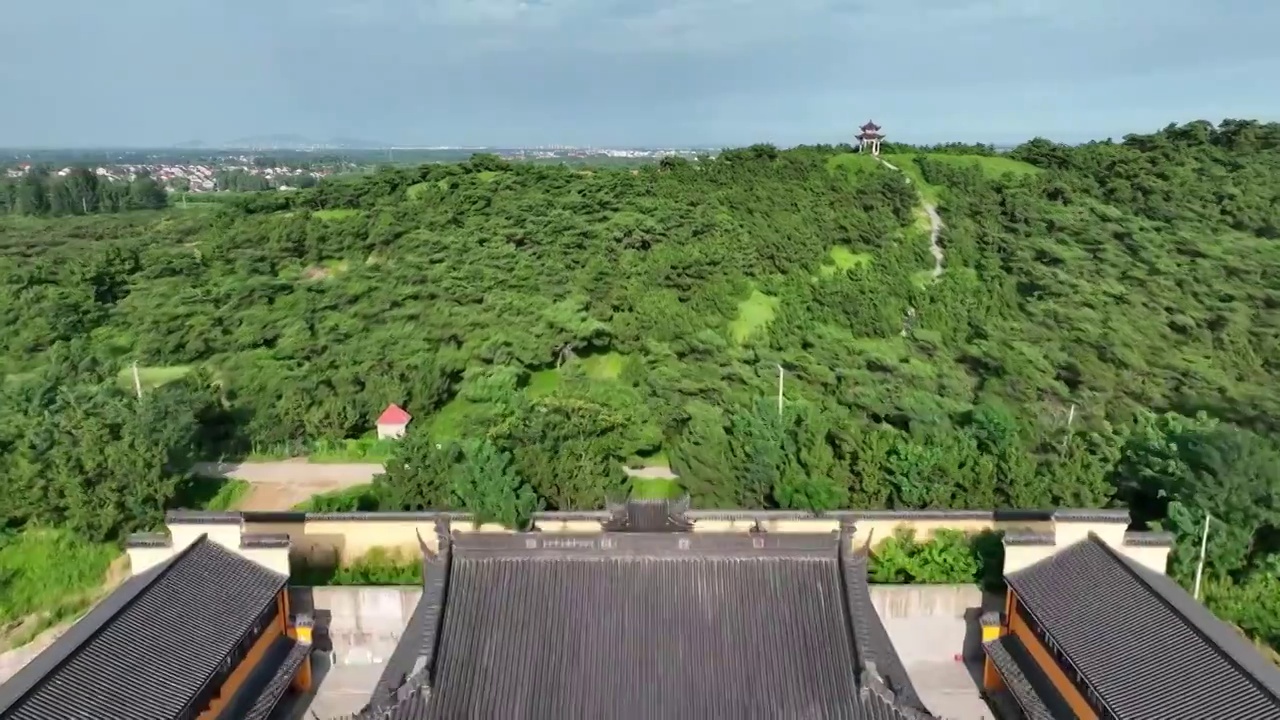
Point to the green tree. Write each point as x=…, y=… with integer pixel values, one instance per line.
x=418, y=474
x=486, y=485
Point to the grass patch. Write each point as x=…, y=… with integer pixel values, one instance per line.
x=991, y=165
x=657, y=458
x=335, y=213
x=219, y=494
x=378, y=567
x=906, y=163
x=543, y=383
x=366, y=449
x=357, y=498
x=754, y=314
x=852, y=164
x=417, y=190
x=655, y=489
x=842, y=260
x=47, y=576
x=456, y=415
x=153, y=376
x=606, y=366
x=922, y=279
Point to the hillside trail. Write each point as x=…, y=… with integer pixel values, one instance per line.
x=935, y=223
x=282, y=484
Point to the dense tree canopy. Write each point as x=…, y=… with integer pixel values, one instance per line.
x=1105, y=332
x=79, y=192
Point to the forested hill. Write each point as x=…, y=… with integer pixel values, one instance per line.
x=1105, y=331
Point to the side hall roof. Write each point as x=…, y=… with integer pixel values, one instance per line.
x=149, y=650
x=1141, y=643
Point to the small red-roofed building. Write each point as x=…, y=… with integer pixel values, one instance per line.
x=393, y=422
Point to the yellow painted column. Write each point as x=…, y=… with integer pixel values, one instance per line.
x=302, y=628
x=993, y=627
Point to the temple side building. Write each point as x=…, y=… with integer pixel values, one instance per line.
x=1089, y=633
x=203, y=635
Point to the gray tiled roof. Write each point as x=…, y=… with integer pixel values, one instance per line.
x=417, y=644
x=1034, y=693
x=1147, y=649
x=266, y=684
x=649, y=516
x=648, y=625
x=150, y=648
x=705, y=637
x=876, y=655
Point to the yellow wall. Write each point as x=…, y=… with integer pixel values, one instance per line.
x=327, y=541
x=342, y=541
x=1043, y=658
x=270, y=634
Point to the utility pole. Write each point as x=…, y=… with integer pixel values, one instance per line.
x=1070, y=417
x=1204, y=544
x=780, y=374
x=137, y=382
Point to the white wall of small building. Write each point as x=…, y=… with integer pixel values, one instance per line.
x=388, y=431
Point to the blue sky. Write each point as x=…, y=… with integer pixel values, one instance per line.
x=626, y=72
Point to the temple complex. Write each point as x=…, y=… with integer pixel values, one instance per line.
x=645, y=610
x=869, y=138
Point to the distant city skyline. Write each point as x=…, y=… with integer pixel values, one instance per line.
x=619, y=73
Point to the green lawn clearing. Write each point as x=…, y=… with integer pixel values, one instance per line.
x=852, y=164
x=754, y=314
x=843, y=259
x=154, y=376
x=417, y=190
x=335, y=213
x=655, y=489
x=606, y=366
x=991, y=165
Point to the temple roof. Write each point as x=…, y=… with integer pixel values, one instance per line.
x=645, y=624
x=149, y=650
x=1145, y=647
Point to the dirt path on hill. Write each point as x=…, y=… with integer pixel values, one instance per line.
x=935, y=224
x=282, y=484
